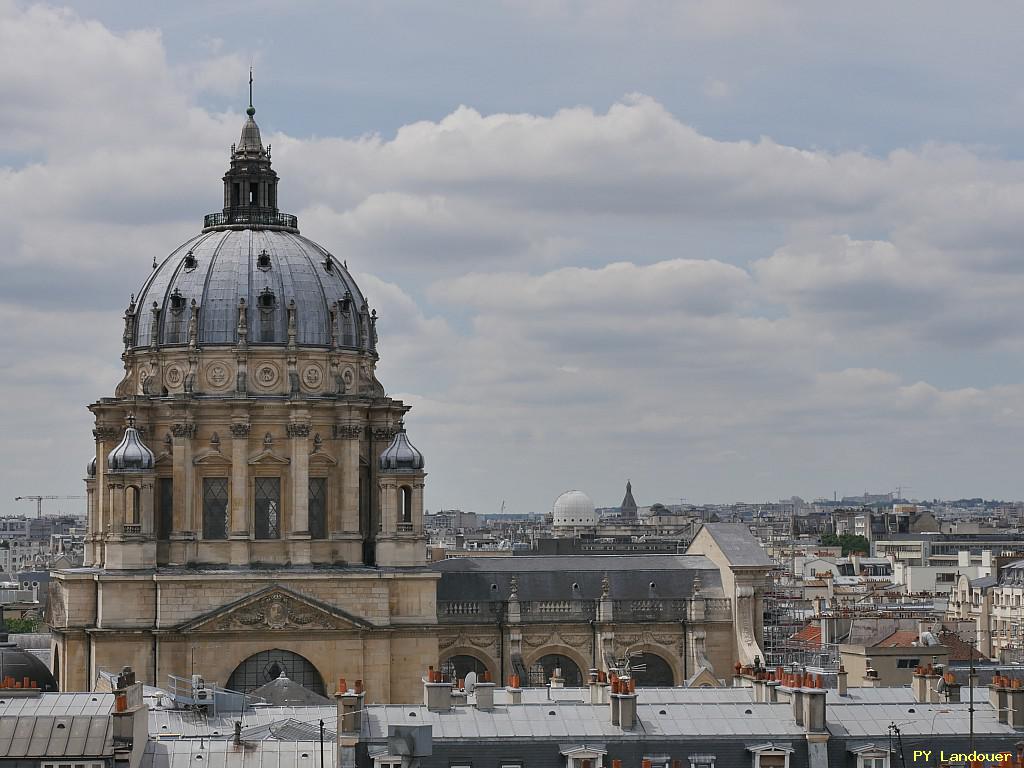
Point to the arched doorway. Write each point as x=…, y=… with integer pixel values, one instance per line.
x=460, y=665
x=542, y=669
x=650, y=670
x=259, y=669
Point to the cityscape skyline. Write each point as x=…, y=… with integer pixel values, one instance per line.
x=575, y=288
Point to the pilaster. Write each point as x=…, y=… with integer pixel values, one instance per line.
x=298, y=431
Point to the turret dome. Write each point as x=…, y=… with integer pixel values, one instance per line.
x=131, y=454
x=401, y=454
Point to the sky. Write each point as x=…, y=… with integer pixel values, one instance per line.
x=728, y=250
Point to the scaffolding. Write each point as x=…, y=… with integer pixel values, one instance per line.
x=788, y=614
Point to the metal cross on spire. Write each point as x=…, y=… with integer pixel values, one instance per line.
x=250, y=86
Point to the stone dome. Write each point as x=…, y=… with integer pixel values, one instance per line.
x=268, y=269
x=90, y=468
x=401, y=454
x=249, y=272
x=574, y=508
x=131, y=454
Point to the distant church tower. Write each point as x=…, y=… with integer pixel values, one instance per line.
x=628, y=506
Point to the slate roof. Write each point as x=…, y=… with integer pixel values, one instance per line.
x=224, y=754
x=167, y=722
x=551, y=578
x=64, y=704
x=284, y=692
x=738, y=544
x=43, y=736
x=577, y=721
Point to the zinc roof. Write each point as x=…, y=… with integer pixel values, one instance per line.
x=198, y=753
x=56, y=736
x=166, y=722
x=57, y=704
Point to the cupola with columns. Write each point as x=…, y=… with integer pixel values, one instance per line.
x=401, y=499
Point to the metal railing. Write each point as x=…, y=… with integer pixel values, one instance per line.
x=258, y=216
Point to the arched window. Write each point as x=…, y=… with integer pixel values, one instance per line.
x=265, y=666
x=545, y=666
x=650, y=670
x=131, y=505
x=406, y=494
x=457, y=667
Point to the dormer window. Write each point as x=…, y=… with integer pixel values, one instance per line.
x=328, y=264
x=177, y=301
x=263, y=261
x=190, y=261
x=267, y=300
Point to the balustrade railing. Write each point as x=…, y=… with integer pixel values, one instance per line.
x=540, y=611
x=132, y=529
x=242, y=215
x=718, y=609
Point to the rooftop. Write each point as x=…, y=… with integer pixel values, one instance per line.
x=738, y=544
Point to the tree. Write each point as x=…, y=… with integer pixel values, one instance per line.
x=22, y=626
x=850, y=543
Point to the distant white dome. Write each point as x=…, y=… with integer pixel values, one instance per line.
x=574, y=508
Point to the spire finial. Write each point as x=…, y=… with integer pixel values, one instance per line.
x=130, y=418
x=251, y=110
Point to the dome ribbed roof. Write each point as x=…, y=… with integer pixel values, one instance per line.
x=268, y=268
x=401, y=454
x=90, y=468
x=131, y=454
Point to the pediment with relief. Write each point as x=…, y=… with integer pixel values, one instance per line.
x=278, y=609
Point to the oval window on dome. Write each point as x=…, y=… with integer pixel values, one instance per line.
x=263, y=261
x=177, y=301
x=267, y=299
x=190, y=261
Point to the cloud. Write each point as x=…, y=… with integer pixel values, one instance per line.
x=565, y=298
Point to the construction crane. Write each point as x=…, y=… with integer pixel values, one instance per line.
x=39, y=501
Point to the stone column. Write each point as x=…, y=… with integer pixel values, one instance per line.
x=99, y=522
x=417, y=506
x=299, y=478
x=238, y=525
x=187, y=526
x=388, y=512
x=239, y=528
x=299, y=468
x=348, y=519
x=115, y=494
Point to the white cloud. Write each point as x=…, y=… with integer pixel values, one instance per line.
x=565, y=299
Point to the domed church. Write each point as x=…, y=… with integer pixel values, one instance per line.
x=255, y=505
x=251, y=476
